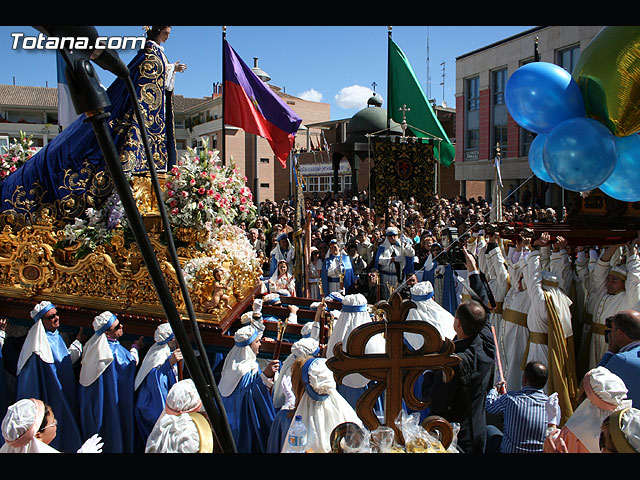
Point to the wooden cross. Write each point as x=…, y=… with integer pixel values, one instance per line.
x=396, y=371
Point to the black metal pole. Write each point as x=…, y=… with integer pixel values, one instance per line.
x=223, y=424
x=224, y=96
x=90, y=98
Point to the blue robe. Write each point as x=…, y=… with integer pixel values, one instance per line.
x=5, y=399
x=450, y=299
x=54, y=384
x=250, y=413
x=151, y=397
x=273, y=264
x=279, y=430
x=107, y=406
x=349, y=278
x=71, y=166
x=429, y=275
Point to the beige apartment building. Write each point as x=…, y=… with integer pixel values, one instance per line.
x=34, y=110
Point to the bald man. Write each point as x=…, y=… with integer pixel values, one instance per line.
x=623, y=355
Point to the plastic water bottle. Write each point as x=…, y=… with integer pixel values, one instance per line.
x=297, y=437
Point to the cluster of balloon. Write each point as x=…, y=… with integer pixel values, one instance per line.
x=587, y=121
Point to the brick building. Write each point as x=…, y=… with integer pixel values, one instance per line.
x=482, y=119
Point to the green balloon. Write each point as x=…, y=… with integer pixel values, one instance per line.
x=608, y=73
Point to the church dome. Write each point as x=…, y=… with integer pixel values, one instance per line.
x=372, y=120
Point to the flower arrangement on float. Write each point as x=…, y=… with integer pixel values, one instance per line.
x=16, y=154
x=202, y=194
x=97, y=228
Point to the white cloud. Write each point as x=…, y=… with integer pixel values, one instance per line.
x=354, y=96
x=311, y=95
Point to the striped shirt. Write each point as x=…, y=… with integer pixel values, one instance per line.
x=525, y=418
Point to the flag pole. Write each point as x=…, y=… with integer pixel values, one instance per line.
x=224, y=96
x=389, y=78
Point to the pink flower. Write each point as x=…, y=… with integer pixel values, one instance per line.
x=201, y=190
x=169, y=185
x=173, y=203
x=243, y=199
x=242, y=209
x=175, y=211
x=12, y=169
x=217, y=197
x=210, y=192
x=185, y=194
x=203, y=174
x=200, y=205
x=175, y=170
x=171, y=193
x=218, y=221
x=193, y=181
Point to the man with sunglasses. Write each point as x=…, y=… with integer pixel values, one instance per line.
x=623, y=356
x=106, y=390
x=45, y=371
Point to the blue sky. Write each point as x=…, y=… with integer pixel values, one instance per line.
x=332, y=64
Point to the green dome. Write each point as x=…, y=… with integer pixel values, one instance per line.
x=371, y=120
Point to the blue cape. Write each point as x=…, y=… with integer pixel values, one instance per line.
x=349, y=277
x=250, y=413
x=55, y=385
x=106, y=406
x=151, y=397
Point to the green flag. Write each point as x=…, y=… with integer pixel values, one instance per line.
x=404, y=90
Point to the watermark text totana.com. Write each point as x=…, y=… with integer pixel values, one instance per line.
x=43, y=42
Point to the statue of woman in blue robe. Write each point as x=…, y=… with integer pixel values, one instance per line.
x=69, y=174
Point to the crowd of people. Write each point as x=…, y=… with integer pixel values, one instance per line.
x=547, y=336
x=548, y=317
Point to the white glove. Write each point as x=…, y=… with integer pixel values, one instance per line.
x=428, y=264
x=554, y=413
x=289, y=396
x=92, y=445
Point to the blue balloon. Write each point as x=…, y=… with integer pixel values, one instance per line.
x=580, y=154
x=624, y=183
x=541, y=95
x=535, y=158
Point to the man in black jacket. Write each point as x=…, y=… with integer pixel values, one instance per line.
x=461, y=400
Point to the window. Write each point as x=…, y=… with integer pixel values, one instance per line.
x=264, y=160
x=473, y=94
x=473, y=139
x=568, y=57
x=500, y=136
x=346, y=183
x=264, y=185
x=526, y=138
x=499, y=82
x=325, y=184
x=313, y=184
x=4, y=143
